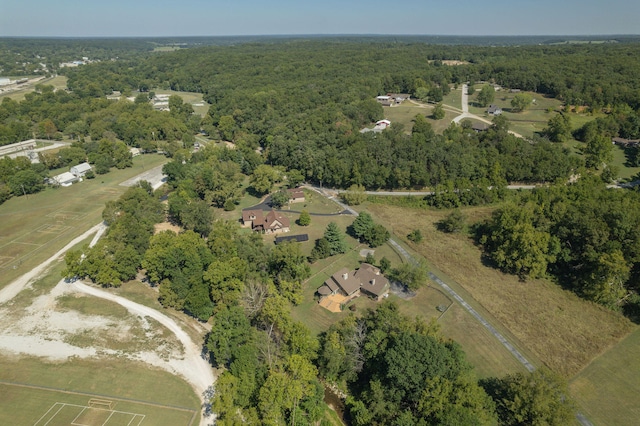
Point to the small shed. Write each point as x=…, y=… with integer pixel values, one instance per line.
x=494, y=110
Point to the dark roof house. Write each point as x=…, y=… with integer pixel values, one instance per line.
x=494, y=110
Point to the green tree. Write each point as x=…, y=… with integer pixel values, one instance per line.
x=453, y=222
x=598, y=150
x=411, y=276
x=438, y=112
x=279, y=199
x=385, y=264
x=516, y=245
x=521, y=101
x=355, y=195
x=226, y=127
x=321, y=250
x=304, y=219
x=361, y=225
x=538, y=398
x=263, y=178
x=421, y=126
x=197, y=216
x=486, y=95
x=415, y=236
x=336, y=239
x=25, y=182
x=558, y=128
x=377, y=235
x=229, y=332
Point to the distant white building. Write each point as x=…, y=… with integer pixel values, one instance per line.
x=80, y=170
x=379, y=127
x=4, y=81
x=65, y=179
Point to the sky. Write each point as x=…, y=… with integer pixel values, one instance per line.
x=136, y=18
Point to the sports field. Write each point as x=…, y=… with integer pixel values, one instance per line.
x=34, y=227
x=39, y=406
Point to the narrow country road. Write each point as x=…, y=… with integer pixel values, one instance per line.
x=193, y=367
x=467, y=114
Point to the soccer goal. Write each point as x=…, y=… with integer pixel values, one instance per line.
x=105, y=404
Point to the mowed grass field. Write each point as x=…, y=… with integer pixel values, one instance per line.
x=200, y=107
x=406, y=112
x=559, y=329
x=609, y=388
x=58, y=82
x=36, y=392
x=34, y=227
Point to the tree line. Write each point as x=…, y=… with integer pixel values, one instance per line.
x=583, y=235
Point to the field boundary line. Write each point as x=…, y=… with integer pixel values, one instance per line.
x=70, y=392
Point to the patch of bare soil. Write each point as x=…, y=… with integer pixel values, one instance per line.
x=166, y=226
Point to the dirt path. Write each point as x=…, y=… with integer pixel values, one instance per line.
x=192, y=367
x=11, y=290
x=190, y=364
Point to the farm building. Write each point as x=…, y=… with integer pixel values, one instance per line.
x=80, y=170
x=65, y=179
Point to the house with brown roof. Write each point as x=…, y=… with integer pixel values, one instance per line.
x=367, y=280
x=270, y=223
x=296, y=195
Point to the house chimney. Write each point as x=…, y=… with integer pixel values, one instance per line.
x=345, y=275
x=373, y=281
x=377, y=271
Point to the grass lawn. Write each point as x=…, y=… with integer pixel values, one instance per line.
x=405, y=113
x=34, y=227
x=30, y=387
x=527, y=122
x=619, y=160
x=561, y=330
x=58, y=82
x=608, y=390
x=453, y=98
x=200, y=107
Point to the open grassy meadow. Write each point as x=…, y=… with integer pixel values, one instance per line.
x=608, y=390
x=453, y=98
x=200, y=107
x=405, y=113
x=561, y=330
x=34, y=227
x=94, y=392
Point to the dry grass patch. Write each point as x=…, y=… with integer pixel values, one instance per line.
x=608, y=390
x=562, y=330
